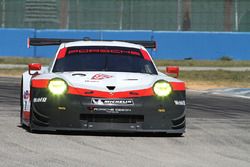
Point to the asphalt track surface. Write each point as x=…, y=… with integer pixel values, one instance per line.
x=218, y=134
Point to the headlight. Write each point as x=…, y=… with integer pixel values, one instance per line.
x=162, y=88
x=57, y=86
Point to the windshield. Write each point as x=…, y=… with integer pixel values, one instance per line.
x=115, y=59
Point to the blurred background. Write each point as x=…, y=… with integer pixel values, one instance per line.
x=208, y=39
x=183, y=29
x=158, y=15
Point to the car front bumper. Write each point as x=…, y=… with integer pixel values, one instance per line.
x=78, y=113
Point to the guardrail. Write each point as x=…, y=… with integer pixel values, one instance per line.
x=170, y=45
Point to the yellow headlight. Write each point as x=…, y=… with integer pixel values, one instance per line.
x=162, y=88
x=57, y=86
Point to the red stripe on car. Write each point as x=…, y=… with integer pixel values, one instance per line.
x=178, y=86
x=145, y=55
x=40, y=83
x=125, y=94
x=62, y=53
x=26, y=116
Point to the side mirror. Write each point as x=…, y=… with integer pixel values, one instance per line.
x=173, y=70
x=34, y=68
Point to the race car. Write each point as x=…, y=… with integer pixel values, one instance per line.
x=106, y=86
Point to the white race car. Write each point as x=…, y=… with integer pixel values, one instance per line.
x=110, y=86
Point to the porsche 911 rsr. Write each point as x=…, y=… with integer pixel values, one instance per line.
x=106, y=86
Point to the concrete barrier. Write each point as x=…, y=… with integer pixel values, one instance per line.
x=170, y=45
x=202, y=45
x=13, y=42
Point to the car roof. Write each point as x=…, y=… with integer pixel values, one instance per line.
x=103, y=43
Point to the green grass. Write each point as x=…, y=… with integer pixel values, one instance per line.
x=24, y=60
x=217, y=78
x=188, y=63
x=214, y=76
x=16, y=72
x=202, y=63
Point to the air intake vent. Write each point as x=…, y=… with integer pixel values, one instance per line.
x=112, y=118
x=111, y=87
x=79, y=74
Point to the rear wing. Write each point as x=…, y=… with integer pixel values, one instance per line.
x=54, y=41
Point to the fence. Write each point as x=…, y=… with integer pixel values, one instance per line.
x=164, y=15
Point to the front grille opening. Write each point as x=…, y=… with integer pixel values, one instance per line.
x=40, y=119
x=105, y=118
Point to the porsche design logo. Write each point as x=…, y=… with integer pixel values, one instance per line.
x=118, y=102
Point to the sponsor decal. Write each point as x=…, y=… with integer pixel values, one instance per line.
x=91, y=81
x=26, y=94
x=111, y=93
x=113, y=110
x=114, y=51
x=101, y=76
x=161, y=110
x=26, y=105
x=61, y=108
x=40, y=99
x=117, y=102
x=180, y=102
x=26, y=100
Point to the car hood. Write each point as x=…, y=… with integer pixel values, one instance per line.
x=109, y=81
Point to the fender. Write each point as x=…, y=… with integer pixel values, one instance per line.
x=25, y=93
